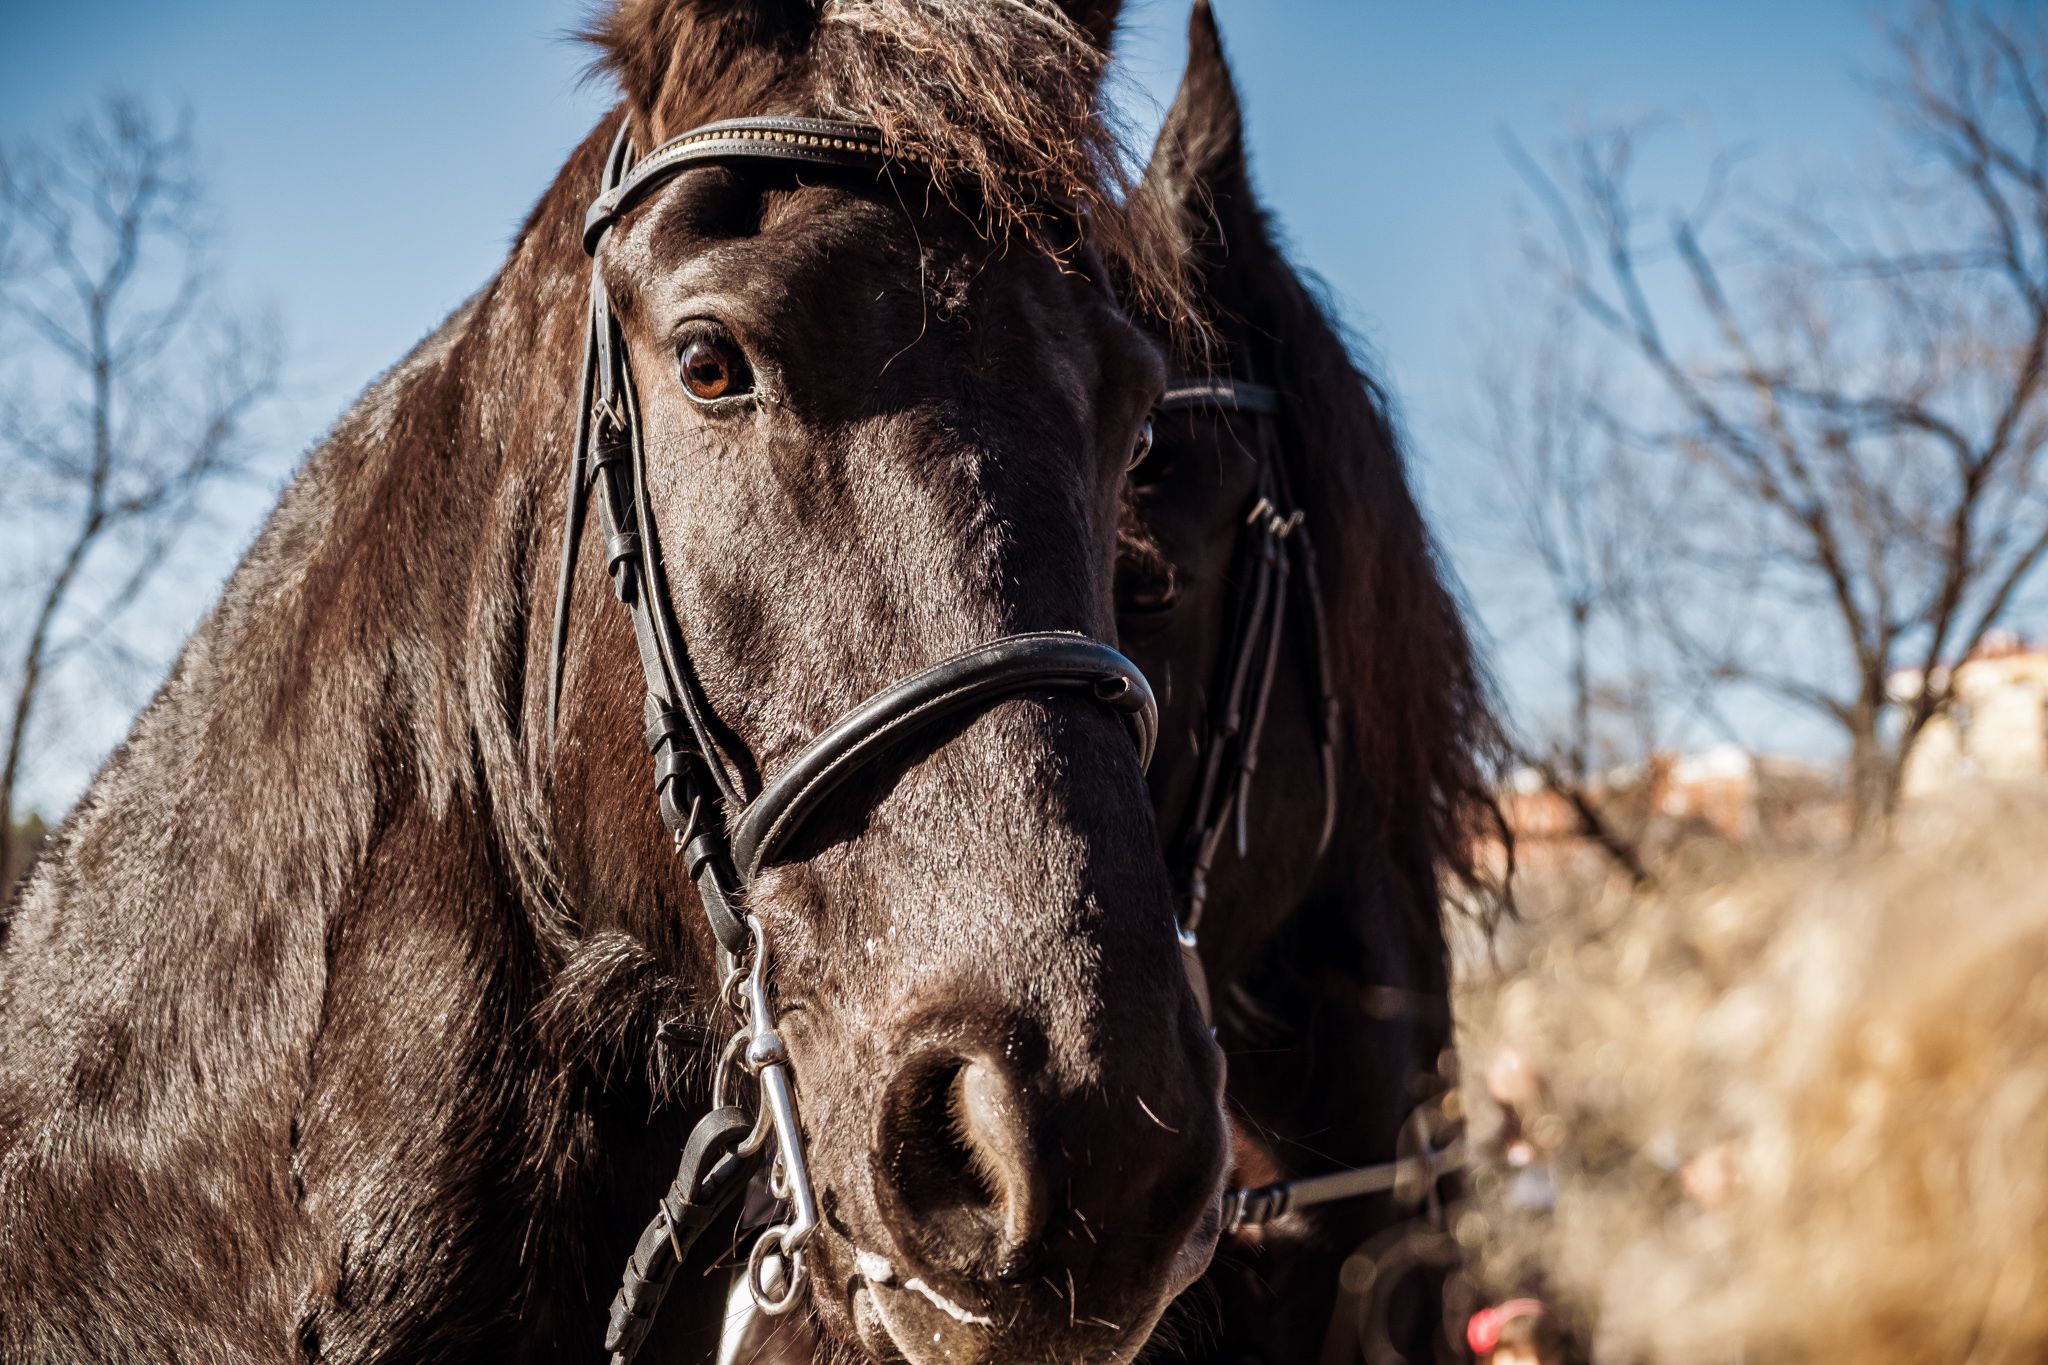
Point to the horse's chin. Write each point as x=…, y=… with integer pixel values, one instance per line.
x=906, y=1322
x=897, y=1325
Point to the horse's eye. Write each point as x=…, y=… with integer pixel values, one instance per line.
x=713, y=369
x=1143, y=446
x=1146, y=467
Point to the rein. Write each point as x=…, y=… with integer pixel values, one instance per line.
x=725, y=837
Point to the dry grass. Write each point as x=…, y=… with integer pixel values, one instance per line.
x=1800, y=1117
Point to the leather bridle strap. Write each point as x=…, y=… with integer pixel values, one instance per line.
x=827, y=143
x=1279, y=568
x=971, y=681
x=1282, y=557
x=1233, y=395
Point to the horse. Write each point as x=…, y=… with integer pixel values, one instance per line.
x=360, y=1007
x=1348, y=726
x=1325, y=817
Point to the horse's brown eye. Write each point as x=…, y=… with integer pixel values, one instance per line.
x=713, y=369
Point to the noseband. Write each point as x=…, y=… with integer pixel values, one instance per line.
x=725, y=837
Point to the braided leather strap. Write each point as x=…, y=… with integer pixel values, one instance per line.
x=709, y=1177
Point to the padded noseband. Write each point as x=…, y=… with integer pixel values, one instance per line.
x=968, y=682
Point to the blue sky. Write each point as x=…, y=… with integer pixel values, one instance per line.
x=370, y=162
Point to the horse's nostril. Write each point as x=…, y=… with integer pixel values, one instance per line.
x=957, y=1163
x=990, y=1123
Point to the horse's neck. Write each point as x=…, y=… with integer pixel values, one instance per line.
x=287, y=950
x=323, y=688
x=367, y=656
x=322, y=705
x=266, y=876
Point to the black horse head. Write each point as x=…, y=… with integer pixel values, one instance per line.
x=353, y=988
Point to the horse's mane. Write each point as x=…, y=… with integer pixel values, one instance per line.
x=998, y=98
x=1418, y=708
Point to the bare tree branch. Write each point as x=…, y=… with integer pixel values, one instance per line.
x=134, y=391
x=1868, y=393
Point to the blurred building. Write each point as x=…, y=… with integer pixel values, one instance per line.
x=1722, y=796
x=1996, y=726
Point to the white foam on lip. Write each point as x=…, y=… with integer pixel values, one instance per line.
x=876, y=1269
x=947, y=1306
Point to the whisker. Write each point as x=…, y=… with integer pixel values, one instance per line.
x=1155, y=1118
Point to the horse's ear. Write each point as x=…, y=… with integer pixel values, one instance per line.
x=669, y=54
x=1197, y=173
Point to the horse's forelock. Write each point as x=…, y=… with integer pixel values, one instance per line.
x=1002, y=97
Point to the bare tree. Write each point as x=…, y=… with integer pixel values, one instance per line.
x=125, y=393
x=1567, y=503
x=1565, y=499
x=1863, y=394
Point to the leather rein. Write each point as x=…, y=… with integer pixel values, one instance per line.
x=724, y=836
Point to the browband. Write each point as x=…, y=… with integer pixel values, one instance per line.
x=805, y=141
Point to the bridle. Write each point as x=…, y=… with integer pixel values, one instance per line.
x=1280, y=555
x=1280, y=571
x=1273, y=542
x=725, y=837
